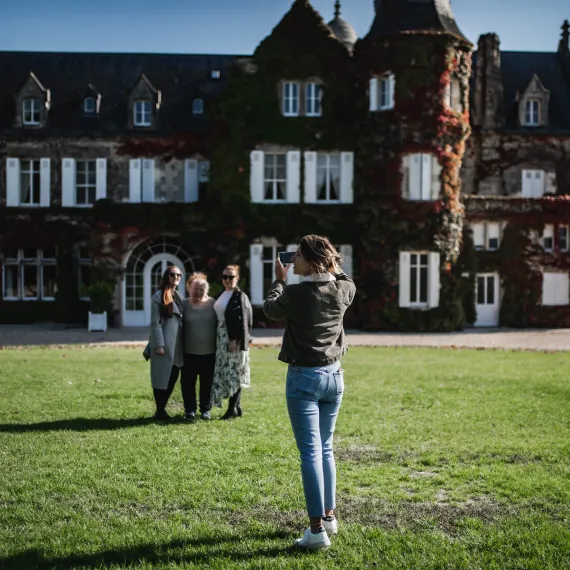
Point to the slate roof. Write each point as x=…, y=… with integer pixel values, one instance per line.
x=180, y=78
x=395, y=16
x=517, y=70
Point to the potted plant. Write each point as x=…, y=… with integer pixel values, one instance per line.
x=100, y=301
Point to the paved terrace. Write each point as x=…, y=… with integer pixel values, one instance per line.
x=505, y=339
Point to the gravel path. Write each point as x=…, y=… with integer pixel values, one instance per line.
x=505, y=339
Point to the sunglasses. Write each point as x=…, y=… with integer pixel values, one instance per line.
x=229, y=276
x=173, y=274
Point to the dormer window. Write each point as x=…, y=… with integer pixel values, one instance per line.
x=89, y=106
x=31, y=111
x=532, y=113
x=313, y=100
x=197, y=106
x=216, y=74
x=291, y=99
x=382, y=91
x=142, y=113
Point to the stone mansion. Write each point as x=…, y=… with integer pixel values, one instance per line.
x=440, y=169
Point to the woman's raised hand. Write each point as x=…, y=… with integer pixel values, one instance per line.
x=280, y=270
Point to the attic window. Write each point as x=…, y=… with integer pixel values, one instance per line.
x=532, y=112
x=197, y=106
x=216, y=74
x=142, y=113
x=89, y=106
x=31, y=111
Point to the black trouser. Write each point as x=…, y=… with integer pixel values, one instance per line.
x=161, y=397
x=198, y=365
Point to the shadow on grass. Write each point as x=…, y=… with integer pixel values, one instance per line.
x=85, y=424
x=177, y=552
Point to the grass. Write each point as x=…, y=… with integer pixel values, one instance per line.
x=446, y=459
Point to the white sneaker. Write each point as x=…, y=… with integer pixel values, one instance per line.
x=314, y=541
x=331, y=526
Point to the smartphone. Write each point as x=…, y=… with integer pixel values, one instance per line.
x=286, y=257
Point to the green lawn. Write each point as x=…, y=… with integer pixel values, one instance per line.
x=446, y=459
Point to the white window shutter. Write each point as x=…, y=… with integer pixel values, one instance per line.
x=45, y=182
x=101, y=180
x=310, y=177
x=548, y=289
x=293, y=177
x=426, y=177
x=148, y=180
x=562, y=289
x=435, y=178
x=347, y=261
x=374, y=94
x=12, y=182
x=191, y=180
x=346, y=177
x=538, y=183
x=433, y=280
x=406, y=177
x=135, y=179
x=256, y=274
x=527, y=184
x=550, y=183
x=292, y=279
x=404, y=287
x=257, y=176
x=415, y=176
x=68, y=197
x=392, y=90
x=478, y=235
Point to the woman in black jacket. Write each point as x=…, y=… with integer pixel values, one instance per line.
x=235, y=317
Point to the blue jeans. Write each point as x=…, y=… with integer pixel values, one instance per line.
x=313, y=401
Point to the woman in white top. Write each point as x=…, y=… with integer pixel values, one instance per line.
x=235, y=317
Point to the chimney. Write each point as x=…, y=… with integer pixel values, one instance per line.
x=563, y=46
x=377, y=5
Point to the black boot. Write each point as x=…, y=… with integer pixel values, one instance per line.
x=160, y=398
x=234, y=408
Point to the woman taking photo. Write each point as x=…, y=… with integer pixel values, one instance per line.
x=199, y=346
x=235, y=317
x=165, y=339
x=313, y=344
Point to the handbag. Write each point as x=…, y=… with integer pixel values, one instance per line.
x=146, y=351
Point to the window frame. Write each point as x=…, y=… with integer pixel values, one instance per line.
x=274, y=180
x=39, y=262
x=89, y=111
x=86, y=186
x=566, y=228
x=198, y=106
x=288, y=100
x=30, y=172
x=532, y=117
x=32, y=111
x=313, y=99
x=328, y=156
x=419, y=304
x=140, y=112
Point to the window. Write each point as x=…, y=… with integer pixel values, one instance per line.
x=84, y=272
x=142, y=114
x=419, y=279
x=313, y=102
x=29, y=275
x=85, y=182
x=30, y=182
x=275, y=182
x=291, y=99
x=382, y=92
x=548, y=237
x=328, y=177
x=216, y=74
x=532, y=112
x=563, y=238
x=31, y=111
x=485, y=290
x=486, y=235
x=421, y=177
x=204, y=171
x=555, y=289
x=197, y=106
x=533, y=183
x=453, y=95
x=89, y=106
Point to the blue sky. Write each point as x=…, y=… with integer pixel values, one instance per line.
x=237, y=26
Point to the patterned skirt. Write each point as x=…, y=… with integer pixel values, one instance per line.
x=232, y=368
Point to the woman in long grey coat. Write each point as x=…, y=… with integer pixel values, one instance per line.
x=166, y=353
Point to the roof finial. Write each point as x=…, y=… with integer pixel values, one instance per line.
x=564, y=40
x=337, y=9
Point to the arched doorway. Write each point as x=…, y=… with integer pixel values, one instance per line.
x=143, y=271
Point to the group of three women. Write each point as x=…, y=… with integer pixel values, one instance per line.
x=200, y=337
x=313, y=344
